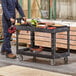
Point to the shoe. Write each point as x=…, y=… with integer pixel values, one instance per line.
x=11, y=56
x=3, y=53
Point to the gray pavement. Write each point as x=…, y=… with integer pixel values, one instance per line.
x=42, y=63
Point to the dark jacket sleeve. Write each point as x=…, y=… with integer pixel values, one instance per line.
x=5, y=9
x=18, y=7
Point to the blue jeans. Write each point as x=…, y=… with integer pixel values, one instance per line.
x=7, y=36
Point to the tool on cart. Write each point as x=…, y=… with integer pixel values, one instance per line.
x=12, y=29
x=51, y=28
x=46, y=25
x=19, y=21
x=37, y=23
x=34, y=22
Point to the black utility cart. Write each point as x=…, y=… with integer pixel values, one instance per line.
x=53, y=54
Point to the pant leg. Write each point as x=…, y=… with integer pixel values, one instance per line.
x=6, y=44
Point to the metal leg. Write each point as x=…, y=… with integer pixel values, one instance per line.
x=32, y=39
x=68, y=45
x=20, y=57
x=32, y=44
x=68, y=40
x=53, y=45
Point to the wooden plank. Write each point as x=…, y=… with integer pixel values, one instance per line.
x=23, y=41
x=65, y=41
x=42, y=39
x=61, y=36
x=61, y=46
x=25, y=71
x=24, y=36
x=44, y=44
x=61, y=41
x=65, y=46
x=72, y=37
x=73, y=28
x=42, y=34
x=65, y=37
x=73, y=47
x=71, y=33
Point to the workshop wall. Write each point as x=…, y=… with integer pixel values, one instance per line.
x=34, y=8
x=65, y=9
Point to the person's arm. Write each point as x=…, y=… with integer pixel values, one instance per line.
x=18, y=7
x=5, y=10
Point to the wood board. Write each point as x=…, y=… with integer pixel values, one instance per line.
x=14, y=70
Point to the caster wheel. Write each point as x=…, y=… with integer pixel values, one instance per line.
x=34, y=59
x=66, y=60
x=20, y=57
x=52, y=62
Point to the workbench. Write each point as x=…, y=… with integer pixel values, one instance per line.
x=53, y=54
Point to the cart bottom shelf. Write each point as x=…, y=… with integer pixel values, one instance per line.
x=43, y=54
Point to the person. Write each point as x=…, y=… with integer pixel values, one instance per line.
x=8, y=17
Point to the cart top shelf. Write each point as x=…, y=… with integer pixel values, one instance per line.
x=38, y=29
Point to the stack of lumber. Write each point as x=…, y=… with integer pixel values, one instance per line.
x=24, y=37
x=24, y=71
x=44, y=39
x=63, y=38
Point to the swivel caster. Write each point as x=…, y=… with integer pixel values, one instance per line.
x=52, y=62
x=20, y=57
x=66, y=60
x=34, y=58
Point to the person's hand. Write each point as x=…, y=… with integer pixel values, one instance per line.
x=24, y=18
x=12, y=20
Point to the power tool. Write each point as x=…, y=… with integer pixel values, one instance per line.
x=19, y=21
x=12, y=29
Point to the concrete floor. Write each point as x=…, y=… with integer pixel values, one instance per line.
x=42, y=63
